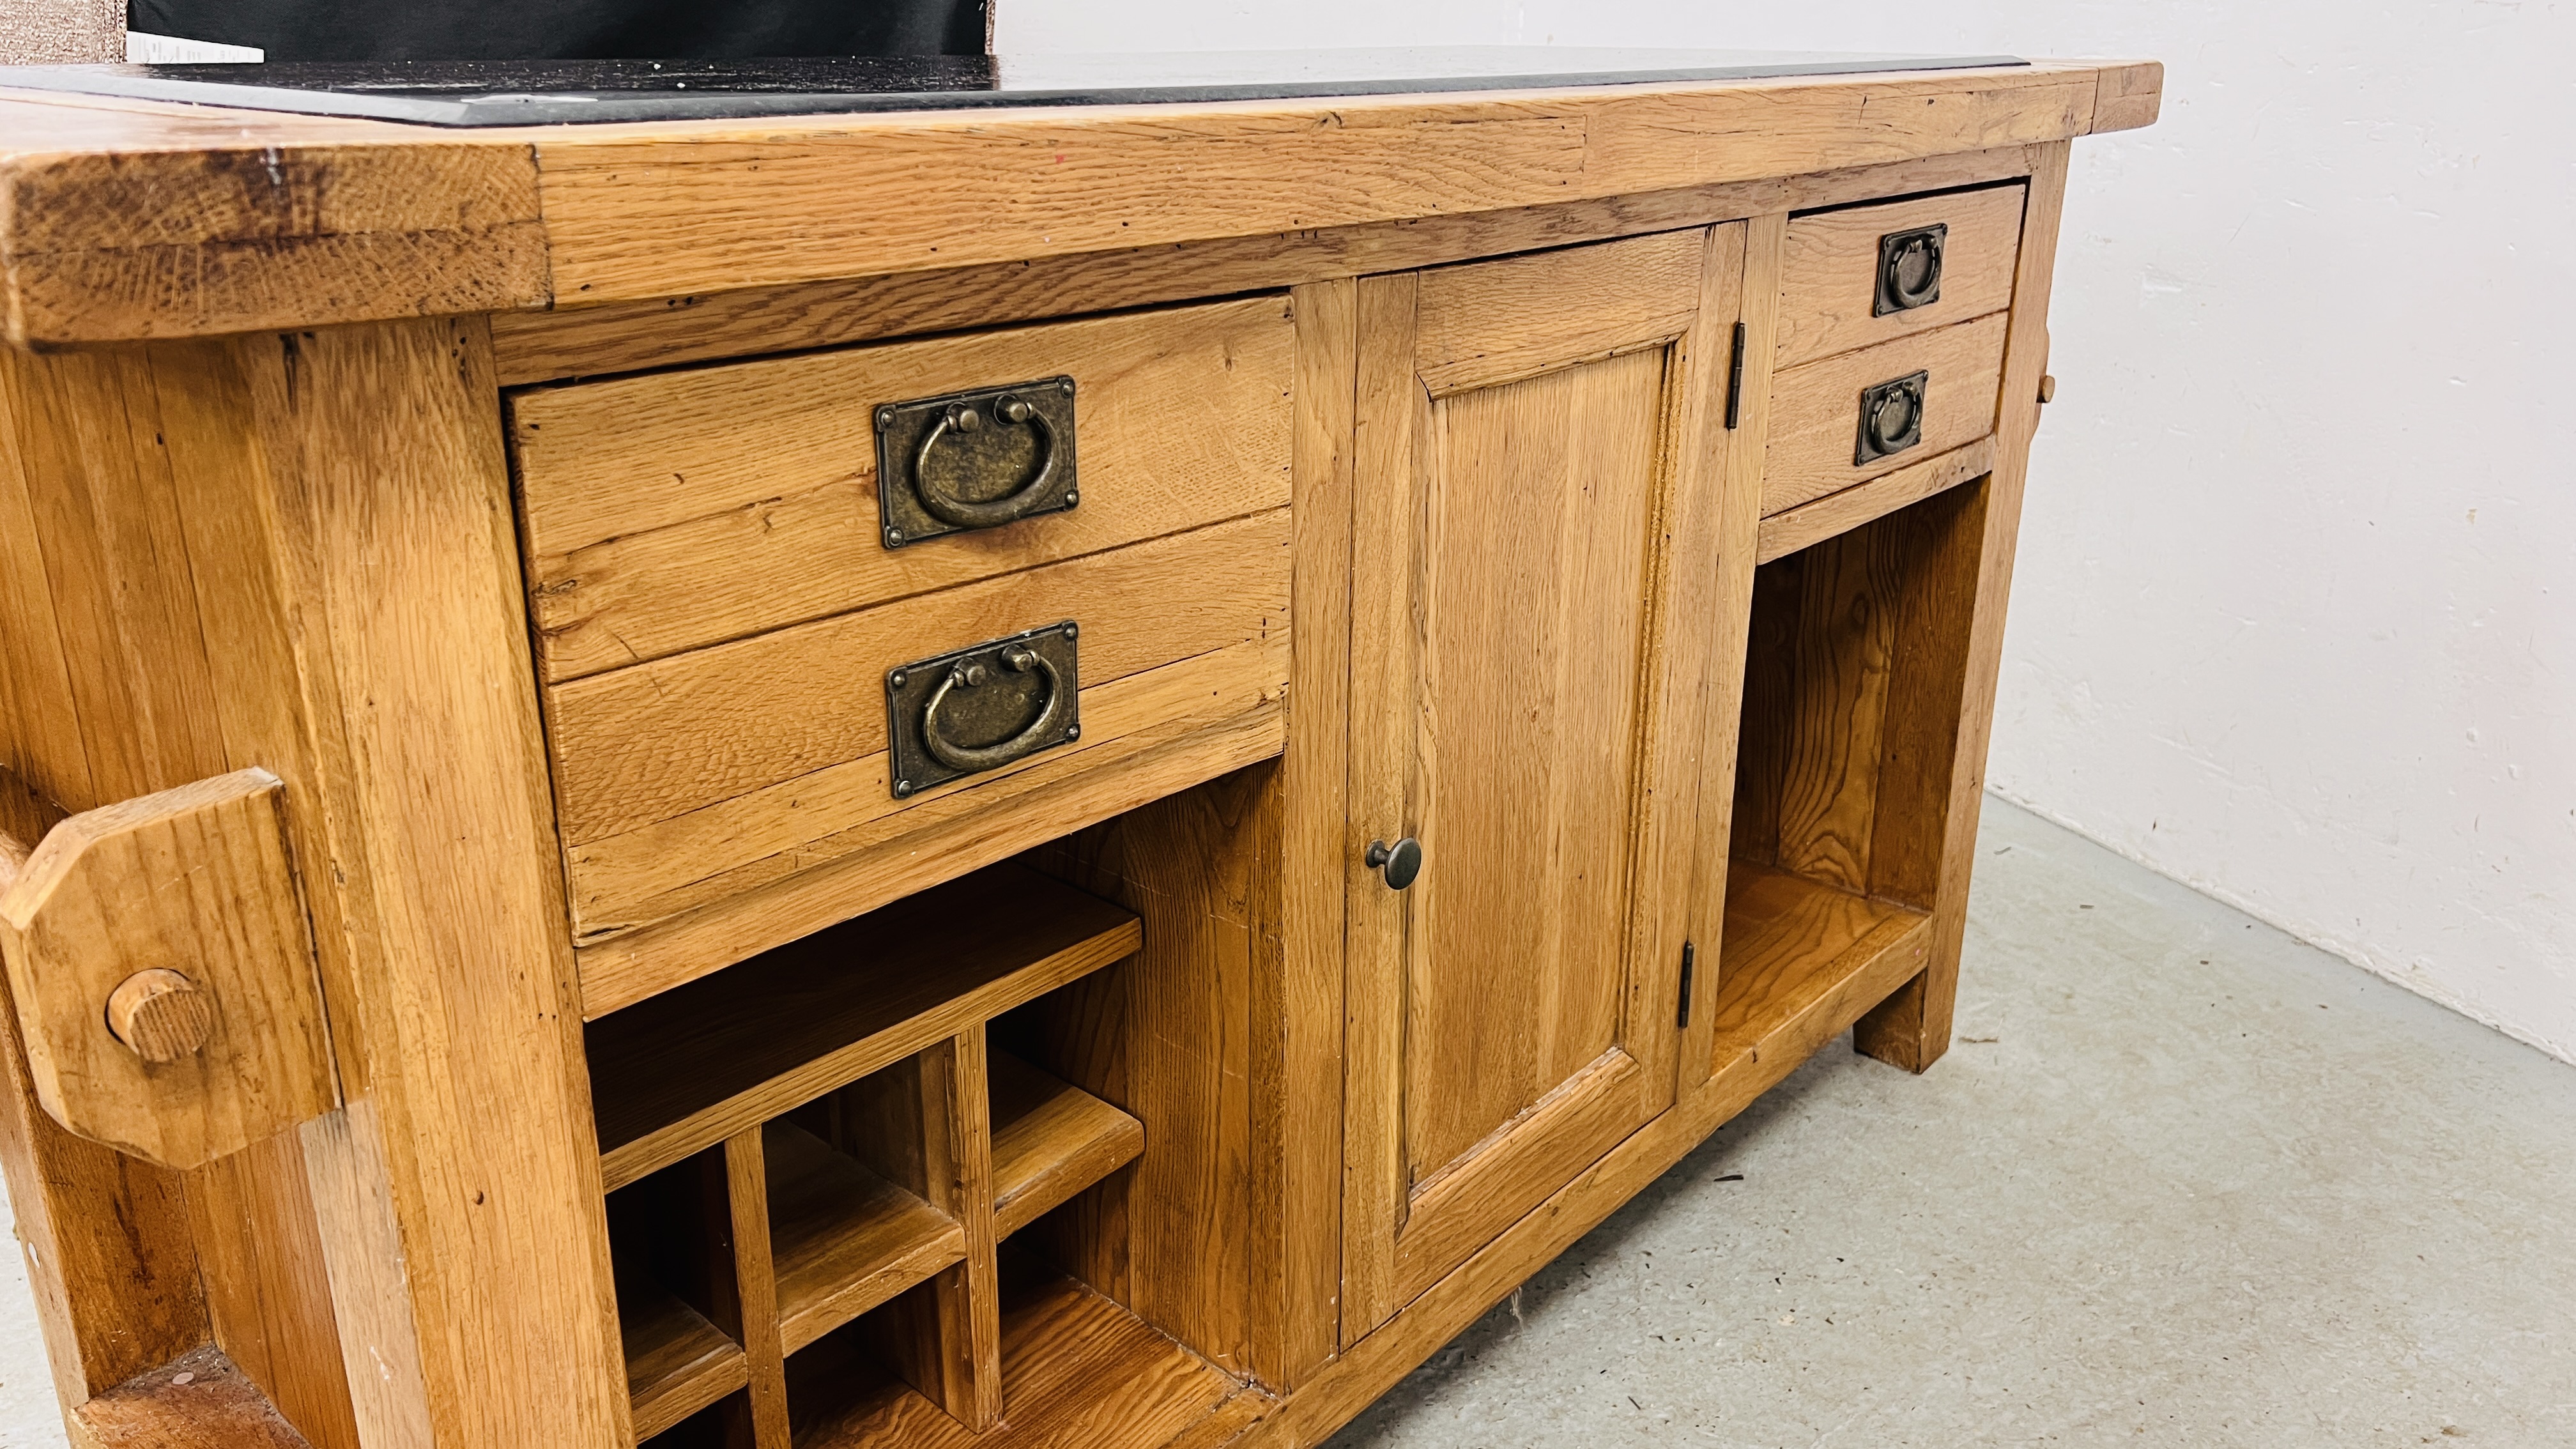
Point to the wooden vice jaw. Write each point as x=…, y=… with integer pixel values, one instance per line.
x=162, y=966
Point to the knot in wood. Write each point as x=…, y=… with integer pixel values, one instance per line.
x=161, y=1015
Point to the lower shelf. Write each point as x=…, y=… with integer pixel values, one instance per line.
x=1791, y=944
x=676, y=1361
x=1078, y=1372
x=1051, y=1140
x=844, y=1239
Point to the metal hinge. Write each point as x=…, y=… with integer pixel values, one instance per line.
x=1690, y=958
x=1735, y=381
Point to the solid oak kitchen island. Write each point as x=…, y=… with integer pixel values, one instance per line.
x=1058, y=761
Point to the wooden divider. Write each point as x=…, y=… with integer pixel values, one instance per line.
x=818, y=1144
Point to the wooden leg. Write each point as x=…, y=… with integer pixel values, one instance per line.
x=466, y=1237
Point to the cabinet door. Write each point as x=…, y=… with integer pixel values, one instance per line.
x=1531, y=608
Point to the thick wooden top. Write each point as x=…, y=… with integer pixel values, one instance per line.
x=125, y=220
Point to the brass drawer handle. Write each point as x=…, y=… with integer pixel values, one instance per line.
x=1891, y=417
x=970, y=460
x=937, y=708
x=1909, y=268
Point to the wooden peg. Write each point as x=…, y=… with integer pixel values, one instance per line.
x=2047, y=388
x=161, y=1015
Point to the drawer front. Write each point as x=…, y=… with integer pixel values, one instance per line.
x=1864, y=275
x=672, y=511
x=1951, y=377
x=686, y=780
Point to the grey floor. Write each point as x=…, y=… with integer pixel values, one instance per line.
x=2182, y=1181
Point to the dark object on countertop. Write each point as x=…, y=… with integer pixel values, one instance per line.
x=505, y=93
x=486, y=30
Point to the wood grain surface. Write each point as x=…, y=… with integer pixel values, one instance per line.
x=1815, y=409
x=1533, y=438
x=1787, y=532
x=1777, y=1033
x=1732, y=492
x=665, y=210
x=655, y=212
x=659, y=332
x=1051, y=1139
x=1078, y=1372
x=1829, y=276
x=413, y=747
x=700, y=776
x=948, y=837
x=199, y=1400
x=138, y=611
x=197, y=877
x=680, y=509
x=691, y=1067
x=121, y=223
x=1189, y=1038
x=847, y=1240
x=676, y=1361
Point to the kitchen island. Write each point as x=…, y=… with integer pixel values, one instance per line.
x=1073, y=760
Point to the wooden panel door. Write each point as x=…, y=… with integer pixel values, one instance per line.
x=1532, y=600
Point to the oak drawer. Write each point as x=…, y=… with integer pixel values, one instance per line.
x=1817, y=409
x=1830, y=294
x=670, y=511
x=685, y=780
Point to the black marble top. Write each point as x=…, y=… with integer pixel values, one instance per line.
x=519, y=93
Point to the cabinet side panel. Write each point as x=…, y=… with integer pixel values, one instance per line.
x=1196, y=1059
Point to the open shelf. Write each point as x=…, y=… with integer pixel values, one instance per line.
x=843, y=1238
x=1792, y=944
x=1051, y=1139
x=676, y=1361
x=1847, y=769
x=1078, y=1372
x=679, y=1072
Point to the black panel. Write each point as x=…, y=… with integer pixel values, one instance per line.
x=375, y=30
x=504, y=93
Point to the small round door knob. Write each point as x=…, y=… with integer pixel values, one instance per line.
x=1399, y=863
x=161, y=1015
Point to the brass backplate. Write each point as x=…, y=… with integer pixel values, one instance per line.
x=999, y=704
x=985, y=463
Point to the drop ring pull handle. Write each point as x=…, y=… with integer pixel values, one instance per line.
x=1009, y=410
x=1909, y=268
x=1399, y=863
x=1045, y=730
x=1891, y=417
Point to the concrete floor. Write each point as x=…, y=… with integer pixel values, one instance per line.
x=2182, y=1181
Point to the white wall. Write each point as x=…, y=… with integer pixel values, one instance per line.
x=2296, y=616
